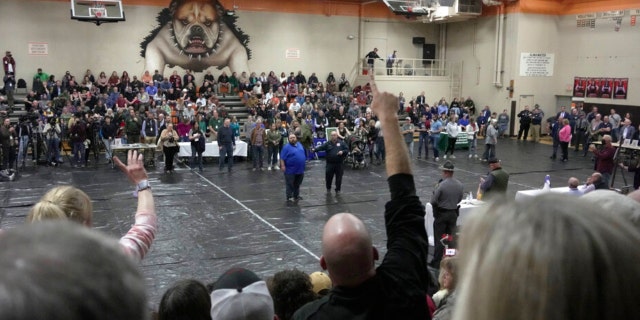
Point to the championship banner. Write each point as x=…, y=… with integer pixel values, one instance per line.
x=604, y=88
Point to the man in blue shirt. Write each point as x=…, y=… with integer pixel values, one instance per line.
x=292, y=163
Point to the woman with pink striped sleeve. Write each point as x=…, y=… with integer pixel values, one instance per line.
x=67, y=202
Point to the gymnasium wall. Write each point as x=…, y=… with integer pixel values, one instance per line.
x=326, y=42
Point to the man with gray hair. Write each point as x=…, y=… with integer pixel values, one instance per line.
x=63, y=271
x=573, y=186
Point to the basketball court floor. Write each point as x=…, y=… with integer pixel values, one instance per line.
x=212, y=221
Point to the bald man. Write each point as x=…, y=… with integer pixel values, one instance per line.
x=573, y=186
x=397, y=288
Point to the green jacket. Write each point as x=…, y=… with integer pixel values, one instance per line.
x=133, y=127
x=499, y=185
x=273, y=138
x=216, y=123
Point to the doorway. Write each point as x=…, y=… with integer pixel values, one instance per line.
x=563, y=101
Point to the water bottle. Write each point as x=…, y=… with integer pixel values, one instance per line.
x=547, y=183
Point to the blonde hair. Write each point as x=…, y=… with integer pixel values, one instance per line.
x=548, y=261
x=63, y=202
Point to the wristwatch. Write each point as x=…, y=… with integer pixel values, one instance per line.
x=143, y=185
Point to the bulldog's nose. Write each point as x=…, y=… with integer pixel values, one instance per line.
x=197, y=29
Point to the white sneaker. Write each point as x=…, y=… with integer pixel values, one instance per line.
x=470, y=156
x=438, y=159
x=269, y=168
x=444, y=157
x=475, y=156
x=453, y=157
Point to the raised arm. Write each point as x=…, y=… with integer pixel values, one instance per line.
x=385, y=106
x=138, y=240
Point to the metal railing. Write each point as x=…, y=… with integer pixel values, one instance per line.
x=408, y=67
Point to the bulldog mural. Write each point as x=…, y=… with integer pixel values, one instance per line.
x=196, y=35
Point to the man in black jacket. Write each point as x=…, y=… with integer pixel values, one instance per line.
x=336, y=150
x=525, y=123
x=397, y=288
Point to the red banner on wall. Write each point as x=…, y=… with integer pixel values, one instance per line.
x=605, y=88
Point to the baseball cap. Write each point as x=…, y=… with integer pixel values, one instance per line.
x=407, y=118
x=241, y=294
x=321, y=282
x=494, y=160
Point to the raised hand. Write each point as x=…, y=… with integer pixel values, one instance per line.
x=134, y=169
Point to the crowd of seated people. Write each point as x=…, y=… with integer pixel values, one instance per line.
x=509, y=255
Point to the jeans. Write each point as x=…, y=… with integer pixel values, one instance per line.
x=22, y=148
x=410, y=148
x=226, y=153
x=293, y=182
x=272, y=157
x=380, y=148
x=435, y=139
x=489, y=151
x=423, y=141
x=473, y=146
x=556, y=144
x=258, y=152
x=108, y=153
x=53, y=150
x=78, y=153
x=194, y=155
x=614, y=134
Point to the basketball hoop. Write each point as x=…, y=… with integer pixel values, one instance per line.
x=98, y=10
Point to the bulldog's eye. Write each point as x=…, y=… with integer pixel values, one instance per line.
x=185, y=21
x=208, y=23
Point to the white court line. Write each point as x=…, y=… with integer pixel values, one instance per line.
x=259, y=217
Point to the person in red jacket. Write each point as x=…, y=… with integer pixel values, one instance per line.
x=604, y=158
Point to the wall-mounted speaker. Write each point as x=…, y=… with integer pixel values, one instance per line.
x=418, y=40
x=429, y=51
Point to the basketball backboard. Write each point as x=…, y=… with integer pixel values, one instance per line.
x=412, y=7
x=97, y=11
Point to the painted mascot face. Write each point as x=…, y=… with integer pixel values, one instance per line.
x=196, y=27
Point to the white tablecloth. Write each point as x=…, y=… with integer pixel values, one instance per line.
x=465, y=210
x=528, y=194
x=212, y=150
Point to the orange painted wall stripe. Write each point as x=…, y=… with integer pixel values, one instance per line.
x=379, y=10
